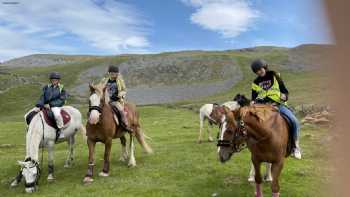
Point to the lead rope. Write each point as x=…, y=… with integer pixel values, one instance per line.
x=42, y=149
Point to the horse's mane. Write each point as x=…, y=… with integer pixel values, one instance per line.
x=242, y=100
x=260, y=112
x=100, y=89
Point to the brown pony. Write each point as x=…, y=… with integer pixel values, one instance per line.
x=102, y=127
x=264, y=131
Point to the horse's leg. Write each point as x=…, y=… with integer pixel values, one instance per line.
x=251, y=177
x=91, y=164
x=210, y=139
x=268, y=176
x=50, y=151
x=201, y=122
x=276, y=169
x=17, y=179
x=258, y=179
x=124, y=155
x=70, y=157
x=108, y=146
x=132, y=161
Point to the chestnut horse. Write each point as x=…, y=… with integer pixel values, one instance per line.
x=264, y=131
x=102, y=127
x=217, y=114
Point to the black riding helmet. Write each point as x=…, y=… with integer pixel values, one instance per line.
x=55, y=75
x=258, y=64
x=113, y=68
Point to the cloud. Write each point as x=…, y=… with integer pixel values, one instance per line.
x=107, y=26
x=228, y=17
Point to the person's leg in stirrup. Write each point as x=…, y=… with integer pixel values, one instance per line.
x=296, y=153
x=124, y=119
x=59, y=121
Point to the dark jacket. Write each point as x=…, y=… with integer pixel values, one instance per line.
x=266, y=83
x=55, y=96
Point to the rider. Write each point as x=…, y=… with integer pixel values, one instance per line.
x=53, y=97
x=117, y=91
x=268, y=87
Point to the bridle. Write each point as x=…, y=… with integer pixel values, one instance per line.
x=37, y=166
x=97, y=108
x=240, y=134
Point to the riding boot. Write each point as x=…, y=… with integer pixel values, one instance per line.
x=296, y=151
x=59, y=134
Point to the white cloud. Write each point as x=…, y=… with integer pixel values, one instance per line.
x=39, y=26
x=228, y=17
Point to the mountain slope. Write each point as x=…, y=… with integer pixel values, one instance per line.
x=182, y=77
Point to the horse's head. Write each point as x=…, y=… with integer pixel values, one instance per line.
x=98, y=97
x=217, y=114
x=232, y=135
x=241, y=100
x=31, y=173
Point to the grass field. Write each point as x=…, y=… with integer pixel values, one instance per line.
x=178, y=167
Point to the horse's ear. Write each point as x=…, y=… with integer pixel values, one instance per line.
x=21, y=163
x=235, y=112
x=92, y=87
x=226, y=110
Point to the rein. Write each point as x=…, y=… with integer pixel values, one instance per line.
x=42, y=149
x=240, y=133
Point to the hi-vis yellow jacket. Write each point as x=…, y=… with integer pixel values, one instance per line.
x=273, y=92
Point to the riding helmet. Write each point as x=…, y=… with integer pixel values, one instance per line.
x=258, y=64
x=55, y=75
x=113, y=69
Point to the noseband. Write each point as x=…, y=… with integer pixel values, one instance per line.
x=36, y=181
x=240, y=133
x=97, y=108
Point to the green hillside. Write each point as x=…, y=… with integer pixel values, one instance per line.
x=20, y=87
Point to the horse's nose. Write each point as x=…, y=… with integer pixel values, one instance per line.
x=93, y=120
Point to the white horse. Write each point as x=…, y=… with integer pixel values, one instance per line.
x=204, y=114
x=39, y=135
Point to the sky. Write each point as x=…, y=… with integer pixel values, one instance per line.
x=111, y=27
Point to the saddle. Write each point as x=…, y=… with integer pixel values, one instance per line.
x=49, y=117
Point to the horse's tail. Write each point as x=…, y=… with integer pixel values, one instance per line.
x=140, y=136
x=83, y=131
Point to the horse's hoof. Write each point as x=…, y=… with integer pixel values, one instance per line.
x=66, y=166
x=122, y=159
x=131, y=164
x=276, y=194
x=251, y=179
x=30, y=189
x=199, y=141
x=268, y=179
x=103, y=174
x=50, y=178
x=210, y=140
x=88, y=180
